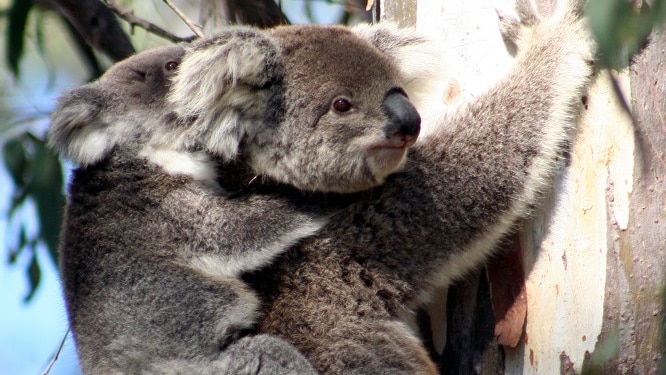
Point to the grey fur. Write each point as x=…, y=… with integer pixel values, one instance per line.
x=153, y=244
x=339, y=296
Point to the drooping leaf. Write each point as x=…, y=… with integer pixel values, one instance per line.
x=45, y=188
x=18, y=198
x=23, y=242
x=14, y=157
x=34, y=277
x=18, y=18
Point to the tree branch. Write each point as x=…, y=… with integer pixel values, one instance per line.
x=128, y=15
x=97, y=25
x=195, y=28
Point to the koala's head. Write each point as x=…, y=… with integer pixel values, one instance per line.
x=319, y=107
x=122, y=107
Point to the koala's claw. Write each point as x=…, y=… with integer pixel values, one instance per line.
x=509, y=26
x=527, y=13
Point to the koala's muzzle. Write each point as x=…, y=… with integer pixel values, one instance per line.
x=404, y=119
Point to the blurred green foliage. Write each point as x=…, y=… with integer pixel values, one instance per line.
x=37, y=176
x=621, y=29
x=36, y=172
x=17, y=21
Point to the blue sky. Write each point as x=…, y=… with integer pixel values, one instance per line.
x=31, y=332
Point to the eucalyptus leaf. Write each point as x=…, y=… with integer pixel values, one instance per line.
x=18, y=18
x=23, y=241
x=46, y=189
x=34, y=277
x=13, y=154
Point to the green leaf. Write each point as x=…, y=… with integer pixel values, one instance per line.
x=34, y=277
x=18, y=18
x=13, y=154
x=18, y=198
x=23, y=241
x=620, y=30
x=45, y=188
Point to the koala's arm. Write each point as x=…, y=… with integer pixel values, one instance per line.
x=483, y=167
x=499, y=153
x=232, y=235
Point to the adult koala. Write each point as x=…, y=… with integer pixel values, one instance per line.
x=147, y=215
x=338, y=296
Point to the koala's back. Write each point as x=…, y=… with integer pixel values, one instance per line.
x=122, y=259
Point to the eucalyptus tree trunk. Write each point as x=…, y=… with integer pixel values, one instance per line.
x=579, y=288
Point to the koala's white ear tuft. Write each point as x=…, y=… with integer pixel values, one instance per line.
x=77, y=128
x=220, y=84
x=421, y=61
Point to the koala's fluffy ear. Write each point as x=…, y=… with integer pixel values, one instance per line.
x=77, y=127
x=224, y=83
x=420, y=60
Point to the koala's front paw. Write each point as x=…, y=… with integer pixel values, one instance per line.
x=564, y=33
x=513, y=25
x=526, y=28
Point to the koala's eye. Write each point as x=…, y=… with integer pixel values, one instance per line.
x=171, y=65
x=342, y=105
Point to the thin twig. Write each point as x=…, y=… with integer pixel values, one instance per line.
x=192, y=25
x=128, y=15
x=55, y=356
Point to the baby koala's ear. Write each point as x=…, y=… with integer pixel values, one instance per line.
x=224, y=84
x=78, y=130
x=421, y=61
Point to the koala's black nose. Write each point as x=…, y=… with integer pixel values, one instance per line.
x=403, y=117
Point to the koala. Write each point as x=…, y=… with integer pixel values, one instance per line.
x=416, y=214
x=151, y=216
